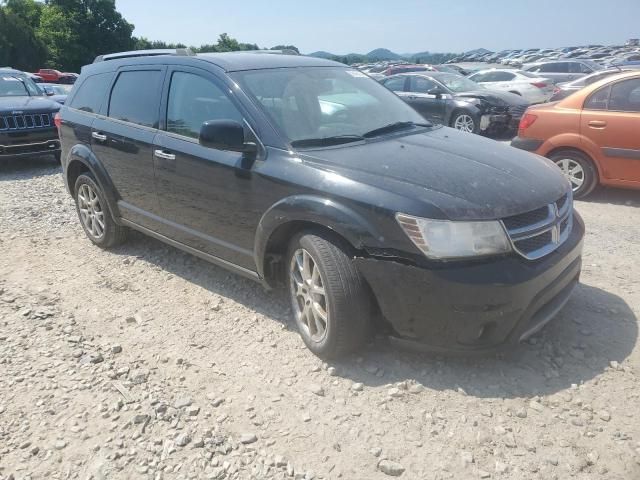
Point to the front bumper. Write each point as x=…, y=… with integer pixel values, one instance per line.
x=28, y=143
x=474, y=307
x=498, y=121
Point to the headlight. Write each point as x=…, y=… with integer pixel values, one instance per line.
x=443, y=239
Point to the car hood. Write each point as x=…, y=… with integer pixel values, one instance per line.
x=494, y=96
x=27, y=104
x=447, y=174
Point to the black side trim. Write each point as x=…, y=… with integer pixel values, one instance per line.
x=205, y=256
x=621, y=152
x=528, y=144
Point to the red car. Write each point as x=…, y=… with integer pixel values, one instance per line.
x=49, y=75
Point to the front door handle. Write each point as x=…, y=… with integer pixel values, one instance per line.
x=164, y=155
x=597, y=123
x=99, y=136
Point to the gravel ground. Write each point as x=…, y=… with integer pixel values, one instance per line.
x=145, y=362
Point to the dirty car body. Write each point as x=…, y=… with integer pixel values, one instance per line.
x=353, y=162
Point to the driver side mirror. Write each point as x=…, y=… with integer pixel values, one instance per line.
x=48, y=91
x=225, y=135
x=437, y=91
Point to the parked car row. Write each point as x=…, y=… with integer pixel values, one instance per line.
x=615, y=55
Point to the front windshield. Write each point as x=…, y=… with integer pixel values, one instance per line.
x=17, y=86
x=458, y=83
x=59, y=89
x=322, y=102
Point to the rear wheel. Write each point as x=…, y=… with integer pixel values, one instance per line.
x=331, y=302
x=95, y=215
x=578, y=169
x=465, y=122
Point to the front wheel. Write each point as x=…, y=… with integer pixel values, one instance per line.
x=465, y=122
x=578, y=169
x=331, y=302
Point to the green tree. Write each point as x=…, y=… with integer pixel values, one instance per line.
x=76, y=31
x=19, y=46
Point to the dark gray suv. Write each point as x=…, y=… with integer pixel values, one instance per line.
x=308, y=174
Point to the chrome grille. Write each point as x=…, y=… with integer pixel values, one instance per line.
x=539, y=232
x=25, y=121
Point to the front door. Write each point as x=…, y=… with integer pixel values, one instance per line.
x=205, y=194
x=423, y=98
x=611, y=119
x=123, y=140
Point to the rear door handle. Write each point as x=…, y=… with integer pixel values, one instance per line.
x=597, y=123
x=164, y=155
x=99, y=136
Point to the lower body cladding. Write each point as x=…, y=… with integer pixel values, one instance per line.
x=474, y=307
x=29, y=142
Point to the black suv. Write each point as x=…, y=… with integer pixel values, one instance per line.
x=26, y=117
x=303, y=172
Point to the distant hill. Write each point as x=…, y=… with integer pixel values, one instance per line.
x=322, y=54
x=382, y=54
x=478, y=50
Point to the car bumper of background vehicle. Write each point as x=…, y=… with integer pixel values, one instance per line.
x=476, y=306
x=488, y=122
x=528, y=144
x=27, y=149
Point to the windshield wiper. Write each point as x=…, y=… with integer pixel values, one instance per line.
x=392, y=127
x=326, y=141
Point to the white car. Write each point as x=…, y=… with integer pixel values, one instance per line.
x=529, y=86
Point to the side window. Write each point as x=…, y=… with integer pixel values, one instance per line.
x=421, y=85
x=92, y=93
x=625, y=96
x=598, y=100
x=395, y=84
x=479, y=77
x=558, y=67
x=535, y=68
x=576, y=67
x=135, y=97
x=193, y=100
x=503, y=76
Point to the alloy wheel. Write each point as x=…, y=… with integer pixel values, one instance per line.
x=91, y=213
x=308, y=295
x=573, y=171
x=464, y=123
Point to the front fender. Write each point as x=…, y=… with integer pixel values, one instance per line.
x=343, y=220
x=84, y=155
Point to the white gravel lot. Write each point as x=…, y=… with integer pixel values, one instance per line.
x=145, y=362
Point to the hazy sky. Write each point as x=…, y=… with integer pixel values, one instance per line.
x=406, y=26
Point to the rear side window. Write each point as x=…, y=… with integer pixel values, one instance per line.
x=579, y=68
x=91, y=93
x=194, y=100
x=625, y=96
x=395, y=84
x=135, y=97
x=599, y=100
x=559, y=67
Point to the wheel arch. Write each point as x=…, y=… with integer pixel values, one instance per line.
x=295, y=214
x=80, y=160
x=581, y=151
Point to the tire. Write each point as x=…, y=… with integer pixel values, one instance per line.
x=582, y=167
x=92, y=206
x=460, y=121
x=347, y=302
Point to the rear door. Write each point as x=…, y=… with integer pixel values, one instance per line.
x=431, y=106
x=123, y=140
x=611, y=119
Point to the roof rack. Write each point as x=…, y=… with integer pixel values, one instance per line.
x=184, y=52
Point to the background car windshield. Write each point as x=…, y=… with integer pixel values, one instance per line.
x=320, y=102
x=458, y=83
x=17, y=86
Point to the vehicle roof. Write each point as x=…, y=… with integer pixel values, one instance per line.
x=10, y=70
x=229, y=61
